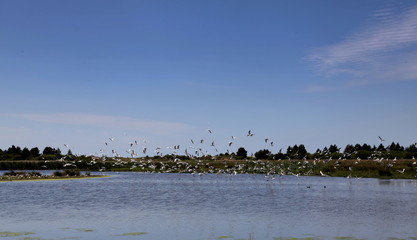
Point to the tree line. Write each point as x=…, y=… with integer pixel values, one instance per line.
x=364, y=151
x=357, y=151
x=18, y=153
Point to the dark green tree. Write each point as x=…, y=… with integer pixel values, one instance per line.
x=263, y=154
x=242, y=153
x=289, y=150
x=381, y=148
x=333, y=148
x=52, y=152
x=69, y=153
x=366, y=147
x=34, y=152
x=25, y=153
x=349, y=148
x=394, y=147
x=14, y=150
x=48, y=151
x=411, y=148
x=302, y=151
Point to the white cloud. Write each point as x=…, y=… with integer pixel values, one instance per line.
x=119, y=122
x=384, y=50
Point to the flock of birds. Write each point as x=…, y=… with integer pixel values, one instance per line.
x=196, y=151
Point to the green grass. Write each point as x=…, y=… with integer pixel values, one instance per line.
x=131, y=234
x=15, y=234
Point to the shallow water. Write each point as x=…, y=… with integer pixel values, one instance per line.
x=181, y=206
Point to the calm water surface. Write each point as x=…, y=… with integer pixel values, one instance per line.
x=181, y=207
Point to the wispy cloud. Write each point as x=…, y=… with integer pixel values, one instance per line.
x=119, y=122
x=384, y=50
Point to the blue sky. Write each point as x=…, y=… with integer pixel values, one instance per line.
x=163, y=72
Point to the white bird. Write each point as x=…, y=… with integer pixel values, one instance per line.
x=272, y=144
x=65, y=145
x=401, y=171
x=209, y=130
x=233, y=137
x=230, y=144
x=250, y=134
x=111, y=139
x=266, y=140
x=381, y=139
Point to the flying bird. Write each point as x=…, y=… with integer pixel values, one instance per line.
x=250, y=134
x=381, y=139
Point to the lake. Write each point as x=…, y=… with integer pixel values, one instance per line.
x=160, y=206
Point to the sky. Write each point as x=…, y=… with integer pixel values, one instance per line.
x=163, y=73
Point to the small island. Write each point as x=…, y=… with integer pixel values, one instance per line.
x=37, y=176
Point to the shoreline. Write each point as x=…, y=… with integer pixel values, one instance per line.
x=366, y=168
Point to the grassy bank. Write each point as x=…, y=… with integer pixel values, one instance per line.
x=380, y=168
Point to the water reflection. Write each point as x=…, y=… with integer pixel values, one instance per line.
x=182, y=206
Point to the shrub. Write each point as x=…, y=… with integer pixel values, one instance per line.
x=58, y=174
x=72, y=172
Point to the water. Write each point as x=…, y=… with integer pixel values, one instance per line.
x=181, y=207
